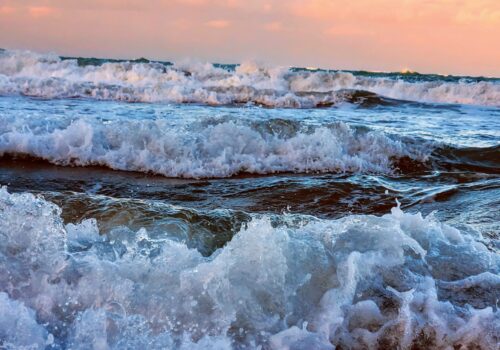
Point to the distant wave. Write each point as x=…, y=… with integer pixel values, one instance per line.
x=49, y=76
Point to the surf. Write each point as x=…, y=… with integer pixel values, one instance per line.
x=305, y=282
x=50, y=76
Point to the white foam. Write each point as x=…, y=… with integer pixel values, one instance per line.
x=358, y=282
x=217, y=150
x=18, y=326
x=32, y=74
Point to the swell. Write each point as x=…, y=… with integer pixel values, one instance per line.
x=49, y=76
x=474, y=159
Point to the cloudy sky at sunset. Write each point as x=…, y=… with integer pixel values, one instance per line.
x=442, y=36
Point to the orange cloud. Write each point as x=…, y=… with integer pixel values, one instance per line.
x=7, y=10
x=348, y=32
x=480, y=11
x=40, y=11
x=218, y=24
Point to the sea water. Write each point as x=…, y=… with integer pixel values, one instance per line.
x=202, y=206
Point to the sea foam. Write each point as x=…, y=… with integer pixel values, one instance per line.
x=396, y=281
x=201, y=150
x=48, y=76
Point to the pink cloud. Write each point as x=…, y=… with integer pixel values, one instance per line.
x=7, y=10
x=218, y=24
x=40, y=11
x=275, y=26
x=348, y=31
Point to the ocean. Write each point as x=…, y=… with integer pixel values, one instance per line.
x=192, y=205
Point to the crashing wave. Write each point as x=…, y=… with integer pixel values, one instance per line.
x=199, y=151
x=396, y=281
x=49, y=76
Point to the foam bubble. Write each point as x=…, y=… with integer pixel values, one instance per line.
x=18, y=326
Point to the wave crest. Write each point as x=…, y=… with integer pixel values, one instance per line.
x=49, y=76
x=217, y=150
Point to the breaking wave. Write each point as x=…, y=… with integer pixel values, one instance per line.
x=222, y=149
x=396, y=281
x=49, y=76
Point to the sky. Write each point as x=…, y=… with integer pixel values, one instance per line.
x=440, y=36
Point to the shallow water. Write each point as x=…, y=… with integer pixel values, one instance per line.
x=371, y=222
